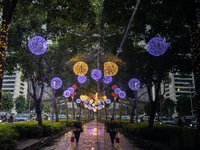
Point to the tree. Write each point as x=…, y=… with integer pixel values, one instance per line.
x=147, y=108
x=183, y=106
x=7, y=101
x=32, y=104
x=140, y=110
x=47, y=109
x=168, y=107
x=20, y=104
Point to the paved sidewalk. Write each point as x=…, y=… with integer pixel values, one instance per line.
x=93, y=137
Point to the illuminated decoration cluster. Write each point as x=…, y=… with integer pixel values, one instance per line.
x=37, y=45
x=73, y=94
x=66, y=93
x=157, y=46
x=107, y=79
x=114, y=94
x=108, y=101
x=122, y=94
x=82, y=79
x=74, y=86
x=83, y=97
x=56, y=83
x=134, y=84
x=78, y=101
x=110, y=69
x=85, y=102
x=80, y=68
x=96, y=74
x=117, y=90
x=71, y=90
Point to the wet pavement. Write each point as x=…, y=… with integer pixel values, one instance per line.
x=93, y=137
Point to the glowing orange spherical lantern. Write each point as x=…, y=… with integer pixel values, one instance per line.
x=110, y=69
x=80, y=68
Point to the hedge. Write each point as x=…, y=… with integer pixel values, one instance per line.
x=10, y=133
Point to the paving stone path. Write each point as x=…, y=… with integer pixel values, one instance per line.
x=93, y=137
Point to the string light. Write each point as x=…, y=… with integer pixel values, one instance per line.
x=122, y=94
x=117, y=90
x=37, y=45
x=66, y=93
x=80, y=68
x=78, y=101
x=71, y=90
x=110, y=69
x=108, y=101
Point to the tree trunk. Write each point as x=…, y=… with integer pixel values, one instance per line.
x=120, y=114
x=8, y=10
x=66, y=110
x=38, y=111
x=56, y=111
x=73, y=108
x=152, y=114
x=114, y=108
x=106, y=113
x=133, y=111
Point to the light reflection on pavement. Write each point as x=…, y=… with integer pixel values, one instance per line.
x=90, y=141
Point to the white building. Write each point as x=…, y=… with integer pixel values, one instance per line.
x=14, y=85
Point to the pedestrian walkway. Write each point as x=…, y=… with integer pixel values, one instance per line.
x=93, y=137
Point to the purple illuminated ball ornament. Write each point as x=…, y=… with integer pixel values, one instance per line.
x=134, y=84
x=82, y=79
x=78, y=101
x=107, y=79
x=88, y=106
x=66, y=93
x=37, y=45
x=90, y=102
x=96, y=74
x=108, y=101
x=103, y=103
x=117, y=90
x=101, y=106
x=157, y=46
x=92, y=108
x=122, y=94
x=71, y=90
x=99, y=103
x=56, y=83
x=85, y=102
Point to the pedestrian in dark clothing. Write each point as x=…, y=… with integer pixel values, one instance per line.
x=77, y=129
x=112, y=129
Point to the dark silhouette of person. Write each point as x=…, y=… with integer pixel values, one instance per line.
x=112, y=130
x=77, y=129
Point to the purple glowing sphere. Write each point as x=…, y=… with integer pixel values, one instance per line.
x=134, y=84
x=92, y=108
x=66, y=93
x=107, y=79
x=82, y=79
x=85, y=102
x=157, y=46
x=99, y=103
x=90, y=102
x=108, y=101
x=37, y=45
x=117, y=90
x=78, y=101
x=122, y=94
x=56, y=83
x=88, y=106
x=71, y=90
x=96, y=74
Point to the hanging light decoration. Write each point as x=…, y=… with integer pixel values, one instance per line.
x=90, y=102
x=117, y=90
x=82, y=79
x=80, y=68
x=37, y=45
x=108, y=101
x=93, y=104
x=114, y=94
x=73, y=94
x=96, y=74
x=114, y=87
x=85, y=102
x=66, y=93
x=71, y=90
x=107, y=79
x=110, y=69
x=78, y=101
x=134, y=84
x=99, y=103
x=122, y=94
x=74, y=86
x=56, y=83
x=157, y=46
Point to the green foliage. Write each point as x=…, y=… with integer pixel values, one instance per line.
x=147, y=108
x=168, y=107
x=6, y=101
x=183, y=105
x=140, y=110
x=20, y=104
x=32, y=105
x=47, y=109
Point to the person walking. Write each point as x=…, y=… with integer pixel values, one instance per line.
x=77, y=129
x=112, y=129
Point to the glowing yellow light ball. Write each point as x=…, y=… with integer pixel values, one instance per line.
x=102, y=99
x=82, y=97
x=91, y=100
x=85, y=106
x=80, y=68
x=93, y=104
x=110, y=69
